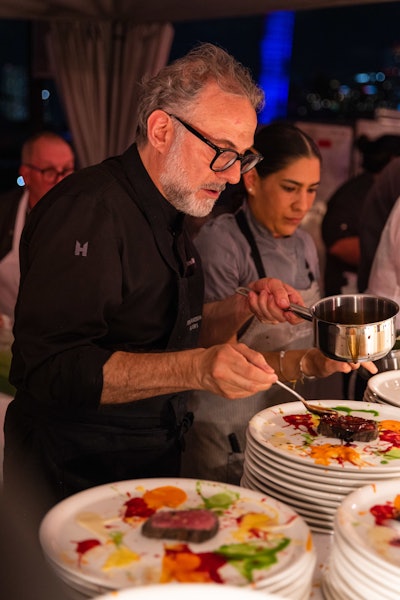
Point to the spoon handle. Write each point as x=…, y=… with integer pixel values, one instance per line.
x=291, y=391
x=312, y=408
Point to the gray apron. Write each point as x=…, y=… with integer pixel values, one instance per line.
x=215, y=444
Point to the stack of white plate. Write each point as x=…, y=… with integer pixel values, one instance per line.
x=287, y=459
x=365, y=558
x=183, y=591
x=94, y=540
x=384, y=388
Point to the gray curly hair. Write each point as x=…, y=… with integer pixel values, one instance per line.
x=179, y=83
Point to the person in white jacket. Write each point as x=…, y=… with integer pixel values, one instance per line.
x=384, y=279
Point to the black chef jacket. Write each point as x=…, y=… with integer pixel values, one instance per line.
x=106, y=265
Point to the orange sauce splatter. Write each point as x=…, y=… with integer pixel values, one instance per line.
x=167, y=495
x=390, y=424
x=326, y=453
x=138, y=508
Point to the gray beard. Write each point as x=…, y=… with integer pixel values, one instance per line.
x=173, y=181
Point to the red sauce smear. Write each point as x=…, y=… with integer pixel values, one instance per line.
x=137, y=507
x=209, y=562
x=302, y=422
x=392, y=437
x=381, y=512
x=85, y=546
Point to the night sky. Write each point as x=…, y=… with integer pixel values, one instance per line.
x=332, y=43
x=345, y=40
x=337, y=41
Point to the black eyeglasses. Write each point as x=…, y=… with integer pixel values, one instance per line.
x=50, y=174
x=224, y=157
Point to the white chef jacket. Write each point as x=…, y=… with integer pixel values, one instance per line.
x=384, y=279
x=9, y=265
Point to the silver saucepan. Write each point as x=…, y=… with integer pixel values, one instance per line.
x=352, y=327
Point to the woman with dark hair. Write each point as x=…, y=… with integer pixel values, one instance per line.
x=261, y=238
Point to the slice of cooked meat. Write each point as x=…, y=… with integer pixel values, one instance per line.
x=348, y=428
x=195, y=525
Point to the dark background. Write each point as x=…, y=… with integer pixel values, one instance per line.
x=328, y=49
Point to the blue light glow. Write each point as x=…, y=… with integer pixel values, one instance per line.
x=362, y=77
x=369, y=90
x=276, y=51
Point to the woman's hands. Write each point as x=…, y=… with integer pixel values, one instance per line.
x=269, y=300
x=315, y=363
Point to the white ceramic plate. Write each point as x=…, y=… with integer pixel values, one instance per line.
x=328, y=475
x=340, y=583
x=334, y=588
x=313, y=473
x=315, y=524
x=182, y=591
x=291, y=470
x=90, y=536
x=361, y=566
x=386, y=386
x=357, y=519
x=300, y=504
x=297, y=489
x=362, y=584
x=288, y=477
x=289, y=431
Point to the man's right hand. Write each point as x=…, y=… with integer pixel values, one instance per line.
x=234, y=371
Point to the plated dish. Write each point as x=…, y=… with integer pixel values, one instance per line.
x=290, y=432
x=95, y=537
x=365, y=557
x=370, y=519
x=288, y=459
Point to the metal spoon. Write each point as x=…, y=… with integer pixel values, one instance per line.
x=312, y=408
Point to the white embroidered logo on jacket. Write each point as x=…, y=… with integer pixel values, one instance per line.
x=81, y=249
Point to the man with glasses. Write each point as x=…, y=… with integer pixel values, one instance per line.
x=46, y=159
x=111, y=299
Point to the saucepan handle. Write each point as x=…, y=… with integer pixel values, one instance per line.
x=300, y=311
x=243, y=291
